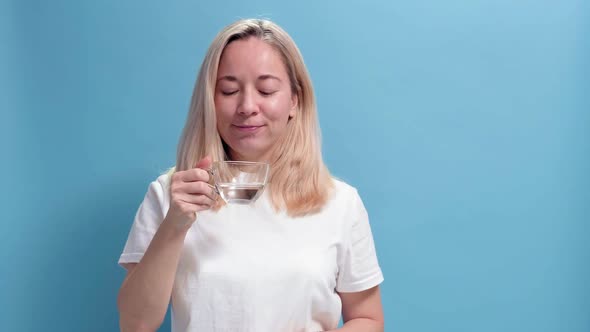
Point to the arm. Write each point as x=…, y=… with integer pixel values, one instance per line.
x=362, y=311
x=145, y=293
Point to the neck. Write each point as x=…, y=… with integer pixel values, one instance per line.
x=233, y=155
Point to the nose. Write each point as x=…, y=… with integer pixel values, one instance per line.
x=248, y=103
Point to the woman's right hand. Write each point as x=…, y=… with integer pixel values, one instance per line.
x=190, y=192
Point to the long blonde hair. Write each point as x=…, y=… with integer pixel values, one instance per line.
x=299, y=181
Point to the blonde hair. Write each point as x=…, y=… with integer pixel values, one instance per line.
x=299, y=181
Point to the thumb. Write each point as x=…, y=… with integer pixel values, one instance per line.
x=204, y=163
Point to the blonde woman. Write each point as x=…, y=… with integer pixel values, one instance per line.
x=299, y=257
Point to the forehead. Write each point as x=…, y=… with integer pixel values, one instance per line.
x=251, y=56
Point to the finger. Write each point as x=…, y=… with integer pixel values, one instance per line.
x=194, y=175
x=200, y=172
x=204, y=163
x=196, y=207
x=202, y=207
x=197, y=188
x=197, y=199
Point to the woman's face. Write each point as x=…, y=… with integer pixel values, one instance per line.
x=253, y=99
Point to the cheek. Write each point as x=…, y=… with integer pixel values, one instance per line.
x=278, y=110
x=223, y=111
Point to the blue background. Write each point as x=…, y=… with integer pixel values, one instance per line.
x=464, y=125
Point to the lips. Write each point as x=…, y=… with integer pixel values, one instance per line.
x=247, y=128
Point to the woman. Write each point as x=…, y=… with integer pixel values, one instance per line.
x=294, y=260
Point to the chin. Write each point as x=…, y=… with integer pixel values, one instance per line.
x=250, y=151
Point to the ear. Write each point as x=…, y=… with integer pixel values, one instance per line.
x=294, y=104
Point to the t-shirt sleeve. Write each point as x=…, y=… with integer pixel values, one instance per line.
x=358, y=267
x=148, y=218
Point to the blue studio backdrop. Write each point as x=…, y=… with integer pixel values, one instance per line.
x=463, y=124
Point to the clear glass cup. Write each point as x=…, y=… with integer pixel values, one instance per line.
x=240, y=182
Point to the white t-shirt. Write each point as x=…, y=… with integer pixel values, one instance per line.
x=247, y=268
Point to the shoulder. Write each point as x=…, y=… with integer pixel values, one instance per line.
x=344, y=192
x=161, y=184
x=164, y=179
x=158, y=190
x=345, y=205
x=343, y=187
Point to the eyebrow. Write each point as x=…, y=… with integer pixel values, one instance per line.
x=227, y=78
x=268, y=77
x=260, y=78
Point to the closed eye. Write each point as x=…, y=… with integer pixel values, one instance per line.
x=229, y=93
x=267, y=93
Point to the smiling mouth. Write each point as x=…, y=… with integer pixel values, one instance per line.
x=246, y=128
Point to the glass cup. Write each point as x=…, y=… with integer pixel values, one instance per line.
x=239, y=182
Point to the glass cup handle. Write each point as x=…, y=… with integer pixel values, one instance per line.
x=213, y=187
x=210, y=171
